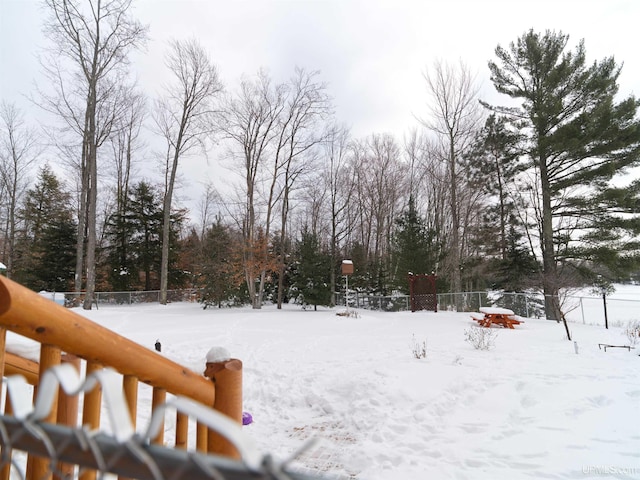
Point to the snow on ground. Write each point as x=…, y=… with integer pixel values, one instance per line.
x=531, y=407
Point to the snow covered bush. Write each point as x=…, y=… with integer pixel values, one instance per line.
x=481, y=338
x=419, y=349
x=633, y=332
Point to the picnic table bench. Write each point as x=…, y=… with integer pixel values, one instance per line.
x=606, y=345
x=494, y=315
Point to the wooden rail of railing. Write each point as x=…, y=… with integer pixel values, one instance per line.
x=59, y=330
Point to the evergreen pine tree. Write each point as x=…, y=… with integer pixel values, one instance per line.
x=134, y=242
x=518, y=270
x=220, y=280
x=312, y=272
x=122, y=270
x=177, y=277
x=58, y=254
x=145, y=216
x=577, y=137
x=414, y=247
x=494, y=164
x=46, y=253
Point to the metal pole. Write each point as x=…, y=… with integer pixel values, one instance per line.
x=346, y=293
x=604, y=302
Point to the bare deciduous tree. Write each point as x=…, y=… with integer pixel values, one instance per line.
x=273, y=130
x=307, y=105
x=339, y=183
x=380, y=184
x=249, y=121
x=18, y=152
x=184, y=119
x=85, y=68
x=415, y=151
x=126, y=147
x=126, y=143
x=206, y=208
x=454, y=117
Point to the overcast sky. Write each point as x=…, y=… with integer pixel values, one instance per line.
x=371, y=53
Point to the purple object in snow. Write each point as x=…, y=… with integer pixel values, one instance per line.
x=246, y=418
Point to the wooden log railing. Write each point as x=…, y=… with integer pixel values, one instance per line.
x=64, y=334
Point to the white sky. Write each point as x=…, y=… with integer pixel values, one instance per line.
x=372, y=54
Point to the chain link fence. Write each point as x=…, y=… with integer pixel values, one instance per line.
x=75, y=299
x=389, y=303
x=582, y=309
x=522, y=304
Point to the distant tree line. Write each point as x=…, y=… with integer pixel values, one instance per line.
x=529, y=196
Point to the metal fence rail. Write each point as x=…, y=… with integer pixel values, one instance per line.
x=523, y=304
x=389, y=303
x=581, y=309
x=585, y=309
x=74, y=299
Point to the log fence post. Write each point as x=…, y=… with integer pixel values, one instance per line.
x=67, y=415
x=91, y=411
x=201, y=437
x=182, y=431
x=159, y=397
x=130, y=389
x=37, y=467
x=226, y=373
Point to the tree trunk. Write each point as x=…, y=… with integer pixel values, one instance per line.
x=12, y=225
x=456, y=280
x=91, y=240
x=550, y=275
x=82, y=214
x=166, y=230
x=91, y=197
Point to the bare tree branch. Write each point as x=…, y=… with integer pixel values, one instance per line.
x=90, y=43
x=184, y=118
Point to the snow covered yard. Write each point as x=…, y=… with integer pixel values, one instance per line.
x=528, y=408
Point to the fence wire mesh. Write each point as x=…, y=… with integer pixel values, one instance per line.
x=577, y=308
x=69, y=451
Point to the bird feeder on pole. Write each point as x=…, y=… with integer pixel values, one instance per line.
x=347, y=269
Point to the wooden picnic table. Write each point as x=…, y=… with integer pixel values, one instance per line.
x=498, y=316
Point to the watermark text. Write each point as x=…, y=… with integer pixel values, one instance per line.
x=632, y=472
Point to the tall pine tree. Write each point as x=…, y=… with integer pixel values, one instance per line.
x=494, y=164
x=414, y=247
x=312, y=272
x=578, y=136
x=135, y=242
x=221, y=277
x=46, y=253
x=57, y=253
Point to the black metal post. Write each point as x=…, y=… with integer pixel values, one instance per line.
x=604, y=302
